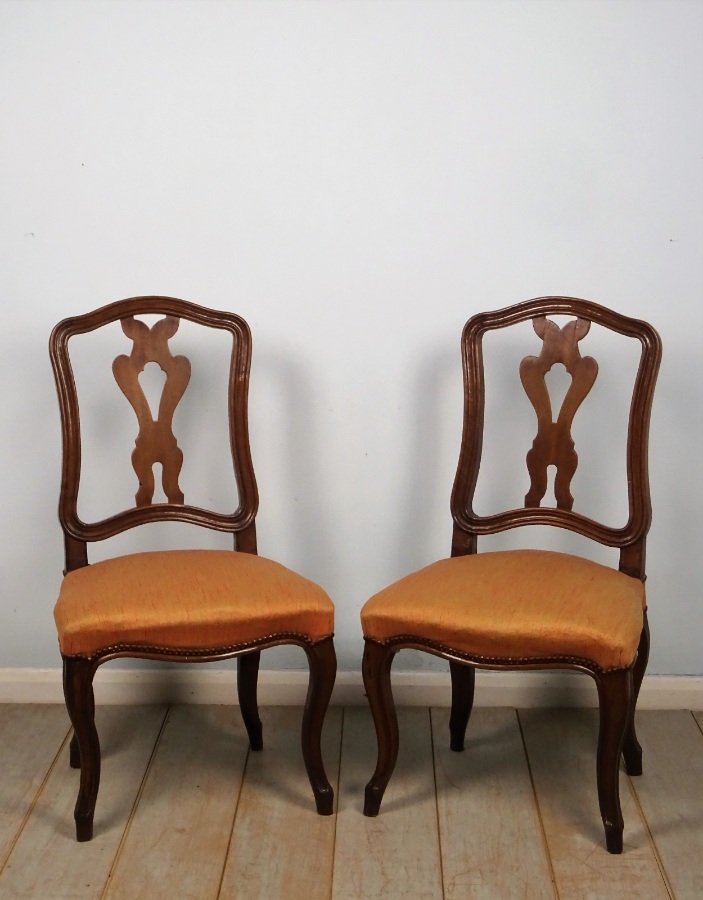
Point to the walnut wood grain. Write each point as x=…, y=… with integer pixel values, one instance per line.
x=553, y=444
x=630, y=539
x=155, y=441
x=240, y=523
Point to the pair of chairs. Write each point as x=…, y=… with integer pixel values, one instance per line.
x=518, y=609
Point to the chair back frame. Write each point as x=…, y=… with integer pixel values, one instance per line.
x=156, y=442
x=151, y=345
x=559, y=346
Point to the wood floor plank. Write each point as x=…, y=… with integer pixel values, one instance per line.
x=670, y=792
x=490, y=834
x=561, y=747
x=30, y=738
x=280, y=846
x=396, y=854
x=47, y=861
x=177, y=840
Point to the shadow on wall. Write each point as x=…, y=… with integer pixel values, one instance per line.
x=434, y=437
x=295, y=521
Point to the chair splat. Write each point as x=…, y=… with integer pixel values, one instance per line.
x=553, y=444
x=155, y=441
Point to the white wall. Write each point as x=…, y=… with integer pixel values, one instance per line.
x=356, y=179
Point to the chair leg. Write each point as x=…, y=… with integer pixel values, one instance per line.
x=632, y=751
x=615, y=695
x=247, y=680
x=463, y=683
x=376, y=669
x=74, y=756
x=323, y=669
x=80, y=702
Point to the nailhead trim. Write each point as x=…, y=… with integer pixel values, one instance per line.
x=283, y=636
x=498, y=660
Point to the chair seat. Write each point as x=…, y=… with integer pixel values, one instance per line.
x=515, y=605
x=187, y=599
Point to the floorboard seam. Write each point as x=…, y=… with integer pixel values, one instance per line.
x=135, y=804
x=542, y=829
x=336, y=801
x=436, y=804
x=34, y=802
x=234, y=822
x=650, y=837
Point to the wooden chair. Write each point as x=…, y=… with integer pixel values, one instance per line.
x=530, y=609
x=176, y=605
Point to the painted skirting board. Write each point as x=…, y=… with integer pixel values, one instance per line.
x=188, y=684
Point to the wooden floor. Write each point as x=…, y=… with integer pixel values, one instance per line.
x=185, y=811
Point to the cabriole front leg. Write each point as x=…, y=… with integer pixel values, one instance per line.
x=376, y=669
x=74, y=755
x=615, y=696
x=78, y=691
x=323, y=670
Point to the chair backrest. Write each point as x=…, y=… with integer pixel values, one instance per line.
x=553, y=444
x=155, y=441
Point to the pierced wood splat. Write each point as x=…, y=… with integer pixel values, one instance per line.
x=553, y=444
x=155, y=441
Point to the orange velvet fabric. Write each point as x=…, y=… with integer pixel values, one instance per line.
x=515, y=604
x=186, y=599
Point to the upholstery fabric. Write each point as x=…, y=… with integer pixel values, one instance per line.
x=186, y=599
x=515, y=604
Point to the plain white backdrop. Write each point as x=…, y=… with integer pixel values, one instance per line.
x=356, y=179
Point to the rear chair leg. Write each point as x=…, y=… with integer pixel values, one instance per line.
x=247, y=680
x=463, y=684
x=632, y=751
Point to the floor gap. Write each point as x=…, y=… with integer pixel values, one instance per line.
x=542, y=829
x=138, y=797
x=436, y=802
x=34, y=802
x=234, y=820
x=650, y=837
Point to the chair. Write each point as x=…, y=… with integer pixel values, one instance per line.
x=189, y=606
x=530, y=609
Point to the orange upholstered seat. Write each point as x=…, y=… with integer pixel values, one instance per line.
x=187, y=599
x=520, y=604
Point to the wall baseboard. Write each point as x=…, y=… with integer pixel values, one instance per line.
x=287, y=688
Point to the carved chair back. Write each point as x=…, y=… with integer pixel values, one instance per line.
x=155, y=441
x=553, y=444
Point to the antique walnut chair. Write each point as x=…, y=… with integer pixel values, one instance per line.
x=531, y=609
x=176, y=605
